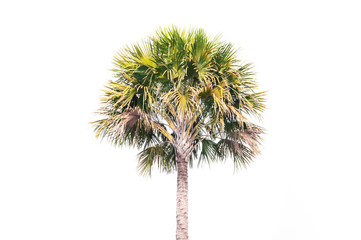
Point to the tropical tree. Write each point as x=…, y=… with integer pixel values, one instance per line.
x=182, y=97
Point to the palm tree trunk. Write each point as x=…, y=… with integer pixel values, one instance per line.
x=182, y=198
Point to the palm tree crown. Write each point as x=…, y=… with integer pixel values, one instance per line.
x=182, y=91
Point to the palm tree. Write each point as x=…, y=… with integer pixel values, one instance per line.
x=181, y=96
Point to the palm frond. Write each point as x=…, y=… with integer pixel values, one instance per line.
x=162, y=155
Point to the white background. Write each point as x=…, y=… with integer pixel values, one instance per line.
x=58, y=182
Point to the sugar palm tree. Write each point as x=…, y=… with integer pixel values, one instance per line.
x=181, y=96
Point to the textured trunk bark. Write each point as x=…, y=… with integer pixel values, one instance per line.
x=182, y=198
